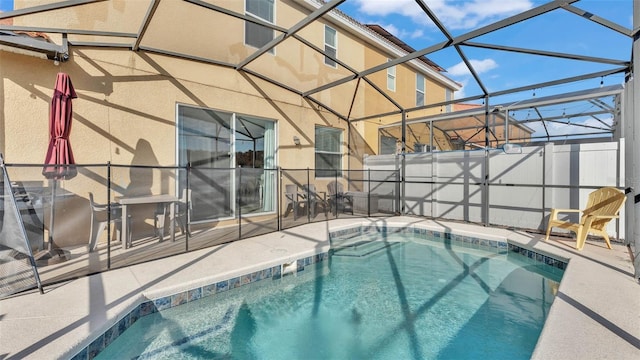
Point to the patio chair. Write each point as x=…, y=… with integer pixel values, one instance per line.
x=338, y=199
x=183, y=212
x=603, y=205
x=294, y=199
x=100, y=220
x=316, y=199
x=31, y=211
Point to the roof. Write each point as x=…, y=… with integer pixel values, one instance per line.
x=542, y=108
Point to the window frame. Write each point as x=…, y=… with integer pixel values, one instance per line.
x=448, y=96
x=230, y=122
x=419, y=91
x=319, y=171
x=248, y=13
x=391, y=77
x=327, y=60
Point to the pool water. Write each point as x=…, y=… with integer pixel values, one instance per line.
x=394, y=299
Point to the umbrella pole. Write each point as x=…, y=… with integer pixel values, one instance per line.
x=51, y=216
x=52, y=254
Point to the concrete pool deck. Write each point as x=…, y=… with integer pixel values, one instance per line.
x=596, y=313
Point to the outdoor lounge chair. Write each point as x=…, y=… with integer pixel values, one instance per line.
x=316, y=199
x=603, y=205
x=100, y=220
x=294, y=199
x=338, y=199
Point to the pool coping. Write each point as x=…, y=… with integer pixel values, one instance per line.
x=575, y=310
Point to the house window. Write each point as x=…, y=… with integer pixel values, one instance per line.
x=328, y=154
x=387, y=145
x=254, y=34
x=330, y=45
x=391, y=77
x=419, y=90
x=448, y=97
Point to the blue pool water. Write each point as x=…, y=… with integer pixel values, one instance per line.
x=410, y=299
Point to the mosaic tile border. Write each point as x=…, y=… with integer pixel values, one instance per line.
x=538, y=257
x=495, y=245
x=152, y=306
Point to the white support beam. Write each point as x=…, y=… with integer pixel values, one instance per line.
x=631, y=133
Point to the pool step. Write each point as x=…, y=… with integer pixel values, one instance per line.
x=361, y=248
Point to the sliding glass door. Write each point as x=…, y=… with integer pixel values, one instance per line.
x=228, y=154
x=254, y=152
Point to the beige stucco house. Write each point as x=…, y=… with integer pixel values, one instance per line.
x=172, y=83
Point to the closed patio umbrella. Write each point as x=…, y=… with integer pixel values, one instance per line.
x=59, y=162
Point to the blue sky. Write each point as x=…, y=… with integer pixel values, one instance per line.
x=559, y=31
x=6, y=5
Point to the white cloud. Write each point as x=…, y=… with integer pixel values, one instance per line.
x=480, y=66
x=402, y=34
x=386, y=7
x=461, y=94
x=392, y=29
x=417, y=34
x=453, y=14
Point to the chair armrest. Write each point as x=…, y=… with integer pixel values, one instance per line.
x=604, y=216
x=555, y=212
x=566, y=210
x=100, y=207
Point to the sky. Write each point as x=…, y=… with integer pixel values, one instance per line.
x=6, y=5
x=559, y=31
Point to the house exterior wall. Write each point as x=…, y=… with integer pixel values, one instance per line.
x=125, y=112
x=404, y=94
x=172, y=80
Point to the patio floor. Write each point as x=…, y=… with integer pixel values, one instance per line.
x=146, y=247
x=595, y=314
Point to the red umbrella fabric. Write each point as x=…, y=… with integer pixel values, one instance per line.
x=59, y=154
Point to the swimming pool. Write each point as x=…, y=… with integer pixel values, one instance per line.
x=403, y=297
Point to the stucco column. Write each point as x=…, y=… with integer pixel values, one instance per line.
x=632, y=146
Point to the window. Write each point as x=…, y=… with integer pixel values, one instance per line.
x=387, y=145
x=254, y=34
x=328, y=154
x=330, y=46
x=419, y=90
x=447, y=94
x=391, y=77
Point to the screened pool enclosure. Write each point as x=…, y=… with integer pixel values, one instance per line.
x=494, y=156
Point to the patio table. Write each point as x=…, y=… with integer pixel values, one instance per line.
x=125, y=201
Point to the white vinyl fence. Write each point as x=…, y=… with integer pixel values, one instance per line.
x=519, y=190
